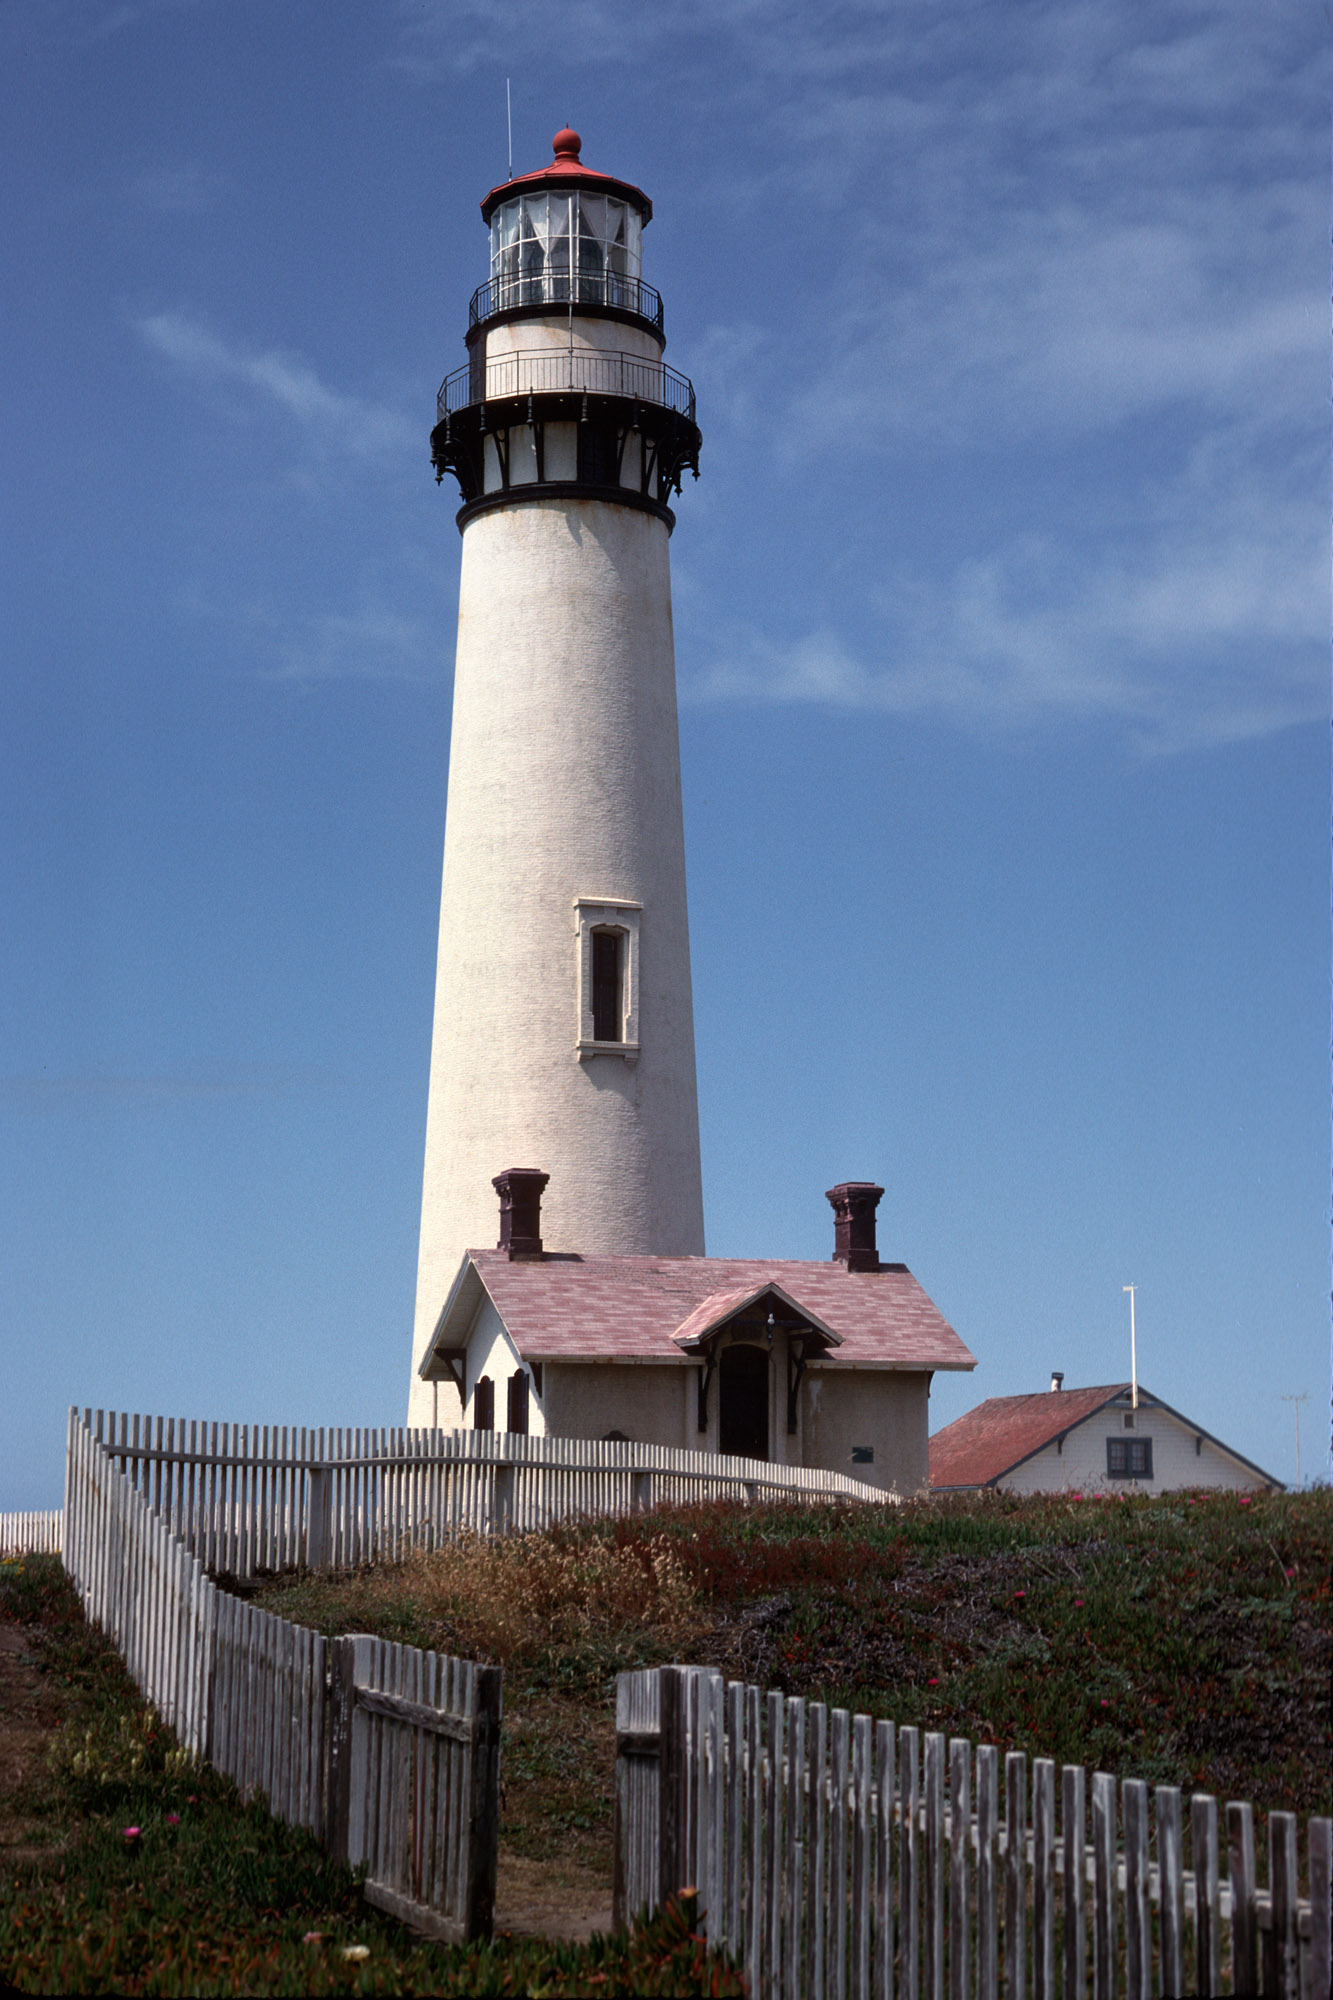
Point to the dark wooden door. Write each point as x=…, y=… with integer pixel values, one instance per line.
x=742, y=1375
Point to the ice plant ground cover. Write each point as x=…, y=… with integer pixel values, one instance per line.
x=1185, y=1639
x=125, y=1868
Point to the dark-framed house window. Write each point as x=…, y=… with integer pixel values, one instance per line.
x=1129, y=1458
x=483, y=1405
x=518, y=1403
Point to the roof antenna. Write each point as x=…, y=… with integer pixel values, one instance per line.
x=509, y=119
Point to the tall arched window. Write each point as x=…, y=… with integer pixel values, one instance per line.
x=483, y=1405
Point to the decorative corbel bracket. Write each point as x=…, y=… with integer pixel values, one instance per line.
x=795, y=1370
x=455, y=1360
x=705, y=1378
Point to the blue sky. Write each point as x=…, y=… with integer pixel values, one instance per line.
x=1002, y=625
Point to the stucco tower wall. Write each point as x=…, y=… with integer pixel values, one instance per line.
x=564, y=782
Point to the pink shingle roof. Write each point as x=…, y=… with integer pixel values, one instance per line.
x=1001, y=1432
x=566, y=1308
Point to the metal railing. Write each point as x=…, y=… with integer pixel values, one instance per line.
x=551, y=288
x=547, y=370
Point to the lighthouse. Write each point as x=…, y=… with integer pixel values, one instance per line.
x=563, y=1033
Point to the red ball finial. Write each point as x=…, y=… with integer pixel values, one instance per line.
x=567, y=144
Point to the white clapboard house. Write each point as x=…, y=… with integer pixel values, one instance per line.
x=1085, y=1440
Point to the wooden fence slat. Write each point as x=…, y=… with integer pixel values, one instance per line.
x=861, y=1849
x=988, y=1930
x=1138, y=1930
x=909, y=1884
x=1043, y=1878
x=1015, y=1872
x=1171, y=1894
x=736, y=1752
x=885, y=1770
x=1244, y=1910
x=933, y=1793
x=960, y=1899
x=754, y=1939
x=1207, y=1902
x=1319, y=1852
x=816, y=1881
x=793, y=1983
x=1073, y=1830
x=1282, y=1943
x=1104, y=1886
x=775, y=1771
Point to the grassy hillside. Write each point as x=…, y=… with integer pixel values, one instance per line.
x=126, y=1868
x=1184, y=1639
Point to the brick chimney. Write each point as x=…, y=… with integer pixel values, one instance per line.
x=520, y=1192
x=854, y=1205
x=1057, y=1381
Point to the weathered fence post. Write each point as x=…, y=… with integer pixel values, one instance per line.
x=636, y=1878
x=347, y=1656
x=319, y=1518
x=1244, y=1932
x=483, y=1818
x=671, y=1781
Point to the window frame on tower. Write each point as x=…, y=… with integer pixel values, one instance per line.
x=620, y=918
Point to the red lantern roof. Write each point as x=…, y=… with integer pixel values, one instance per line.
x=567, y=171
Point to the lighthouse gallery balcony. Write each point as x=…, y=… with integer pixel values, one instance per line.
x=565, y=422
x=543, y=371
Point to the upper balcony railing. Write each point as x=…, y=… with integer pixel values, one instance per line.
x=545, y=371
x=551, y=288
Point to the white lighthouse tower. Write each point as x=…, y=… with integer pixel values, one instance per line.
x=564, y=1034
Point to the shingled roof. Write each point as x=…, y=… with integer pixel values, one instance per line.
x=999, y=1434
x=569, y=1308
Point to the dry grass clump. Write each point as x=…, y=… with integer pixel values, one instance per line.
x=565, y=1607
x=521, y=1595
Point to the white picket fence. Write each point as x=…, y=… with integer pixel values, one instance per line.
x=34, y=1534
x=249, y=1498
x=415, y=1782
x=844, y=1859
x=250, y=1693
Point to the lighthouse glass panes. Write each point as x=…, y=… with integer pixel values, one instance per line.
x=530, y=245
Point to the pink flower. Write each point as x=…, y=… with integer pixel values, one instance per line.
x=1105, y=1702
x=1244, y=1499
x=173, y=1819
x=131, y=1833
x=934, y=1682
x=1077, y=1602
x=313, y=1937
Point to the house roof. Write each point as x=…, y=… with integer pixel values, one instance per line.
x=569, y=1308
x=720, y=1307
x=999, y=1434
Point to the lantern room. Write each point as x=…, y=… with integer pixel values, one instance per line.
x=566, y=224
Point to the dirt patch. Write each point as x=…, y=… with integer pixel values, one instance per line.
x=550, y=1899
x=29, y=1715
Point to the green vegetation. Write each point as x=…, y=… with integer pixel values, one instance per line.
x=1184, y=1639
x=129, y=1869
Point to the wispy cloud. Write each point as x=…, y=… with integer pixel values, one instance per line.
x=329, y=417
x=1197, y=644
x=376, y=645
